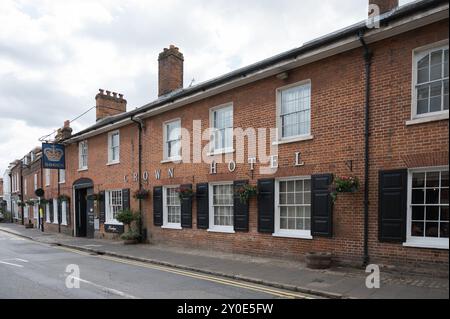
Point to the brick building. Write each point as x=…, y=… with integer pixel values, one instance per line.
x=31, y=181
x=366, y=102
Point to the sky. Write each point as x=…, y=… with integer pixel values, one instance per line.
x=55, y=55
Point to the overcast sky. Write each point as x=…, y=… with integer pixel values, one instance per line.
x=55, y=55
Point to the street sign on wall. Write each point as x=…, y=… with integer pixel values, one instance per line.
x=53, y=156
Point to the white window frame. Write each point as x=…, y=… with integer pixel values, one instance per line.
x=422, y=242
x=296, y=138
x=35, y=181
x=166, y=224
x=47, y=173
x=110, y=150
x=108, y=212
x=212, y=148
x=291, y=233
x=212, y=227
x=36, y=210
x=32, y=156
x=47, y=213
x=166, y=156
x=62, y=176
x=418, y=54
x=64, y=205
x=25, y=186
x=55, y=210
x=83, y=146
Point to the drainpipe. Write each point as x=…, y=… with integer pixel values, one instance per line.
x=368, y=61
x=140, y=125
x=22, y=208
x=10, y=196
x=57, y=203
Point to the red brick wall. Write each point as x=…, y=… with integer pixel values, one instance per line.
x=337, y=108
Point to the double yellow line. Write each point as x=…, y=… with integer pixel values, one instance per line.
x=229, y=282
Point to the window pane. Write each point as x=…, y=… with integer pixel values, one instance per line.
x=433, y=196
x=431, y=229
x=418, y=213
x=444, y=230
x=444, y=196
x=417, y=229
x=433, y=179
x=446, y=95
x=422, y=99
x=417, y=196
x=446, y=63
x=423, y=75
x=418, y=180
x=436, y=98
x=444, y=179
x=433, y=213
x=444, y=213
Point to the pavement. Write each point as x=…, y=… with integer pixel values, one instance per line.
x=336, y=282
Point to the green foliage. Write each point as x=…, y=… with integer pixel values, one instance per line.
x=127, y=216
x=130, y=235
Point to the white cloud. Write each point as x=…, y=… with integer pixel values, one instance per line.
x=54, y=55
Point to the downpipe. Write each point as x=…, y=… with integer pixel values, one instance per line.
x=368, y=62
x=140, y=125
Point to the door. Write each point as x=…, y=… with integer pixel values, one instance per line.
x=90, y=214
x=80, y=211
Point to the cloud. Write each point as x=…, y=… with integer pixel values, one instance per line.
x=54, y=55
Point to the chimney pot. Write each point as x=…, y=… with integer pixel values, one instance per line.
x=109, y=105
x=383, y=5
x=66, y=123
x=170, y=76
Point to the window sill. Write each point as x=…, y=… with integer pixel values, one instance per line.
x=62, y=182
x=427, y=119
x=425, y=244
x=294, y=139
x=221, y=152
x=177, y=227
x=112, y=163
x=112, y=222
x=221, y=230
x=82, y=169
x=171, y=160
x=292, y=235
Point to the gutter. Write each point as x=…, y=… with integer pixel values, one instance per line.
x=368, y=61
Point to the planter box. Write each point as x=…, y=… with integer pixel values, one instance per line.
x=318, y=260
x=130, y=242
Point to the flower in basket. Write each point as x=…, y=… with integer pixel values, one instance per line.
x=245, y=192
x=346, y=184
x=141, y=194
x=20, y=203
x=63, y=198
x=29, y=202
x=184, y=192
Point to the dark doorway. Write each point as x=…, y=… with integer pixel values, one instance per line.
x=84, y=208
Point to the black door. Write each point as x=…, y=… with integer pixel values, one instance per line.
x=80, y=214
x=90, y=214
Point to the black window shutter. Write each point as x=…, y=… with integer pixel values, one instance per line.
x=126, y=198
x=67, y=203
x=266, y=205
x=51, y=210
x=392, y=196
x=59, y=214
x=158, y=205
x=240, y=209
x=202, y=206
x=321, y=205
x=186, y=209
x=102, y=207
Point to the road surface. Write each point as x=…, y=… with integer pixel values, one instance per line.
x=33, y=270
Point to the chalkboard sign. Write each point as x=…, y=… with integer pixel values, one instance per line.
x=111, y=228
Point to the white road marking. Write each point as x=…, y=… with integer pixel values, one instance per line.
x=106, y=289
x=93, y=245
x=11, y=264
x=22, y=260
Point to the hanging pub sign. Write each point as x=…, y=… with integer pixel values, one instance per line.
x=53, y=156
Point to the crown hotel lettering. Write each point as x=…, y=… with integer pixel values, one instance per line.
x=213, y=167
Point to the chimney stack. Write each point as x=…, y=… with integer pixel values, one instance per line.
x=108, y=105
x=170, y=77
x=383, y=5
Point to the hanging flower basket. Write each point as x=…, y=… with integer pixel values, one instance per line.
x=30, y=202
x=44, y=201
x=184, y=192
x=63, y=198
x=245, y=192
x=141, y=194
x=346, y=184
x=21, y=204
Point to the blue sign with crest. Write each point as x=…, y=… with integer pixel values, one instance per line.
x=53, y=156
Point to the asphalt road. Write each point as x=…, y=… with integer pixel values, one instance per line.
x=33, y=270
